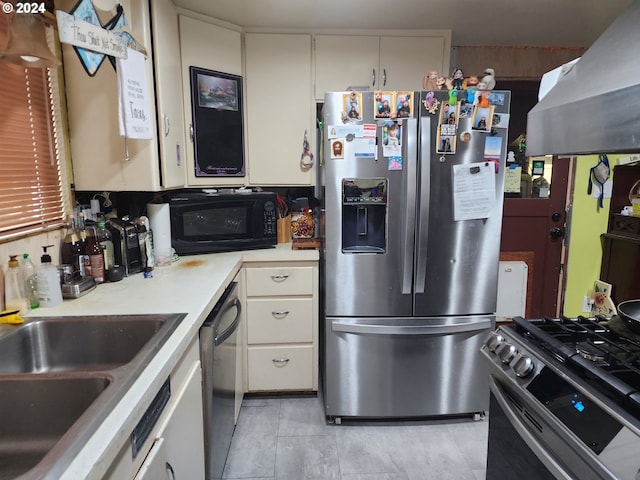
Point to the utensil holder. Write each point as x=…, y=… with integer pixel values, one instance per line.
x=283, y=225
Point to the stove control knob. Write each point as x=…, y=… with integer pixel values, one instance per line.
x=506, y=352
x=522, y=365
x=494, y=341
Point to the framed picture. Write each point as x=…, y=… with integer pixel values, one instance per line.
x=218, y=127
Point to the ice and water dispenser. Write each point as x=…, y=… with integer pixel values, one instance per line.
x=364, y=215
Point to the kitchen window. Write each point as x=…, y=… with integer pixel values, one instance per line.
x=32, y=197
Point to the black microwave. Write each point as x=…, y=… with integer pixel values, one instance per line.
x=219, y=222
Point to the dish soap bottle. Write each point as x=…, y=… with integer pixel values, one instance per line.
x=48, y=282
x=15, y=295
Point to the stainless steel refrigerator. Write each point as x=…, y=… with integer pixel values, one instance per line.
x=413, y=189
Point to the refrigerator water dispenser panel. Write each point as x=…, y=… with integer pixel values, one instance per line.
x=364, y=215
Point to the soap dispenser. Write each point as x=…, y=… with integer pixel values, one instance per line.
x=48, y=282
x=15, y=295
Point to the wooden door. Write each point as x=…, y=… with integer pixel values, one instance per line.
x=533, y=231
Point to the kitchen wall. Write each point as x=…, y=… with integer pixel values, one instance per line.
x=588, y=222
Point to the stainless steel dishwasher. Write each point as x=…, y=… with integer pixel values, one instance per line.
x=218, y=344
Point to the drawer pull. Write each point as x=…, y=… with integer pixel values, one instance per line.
x=279, y=278
x=280, y=362
x=280, y=314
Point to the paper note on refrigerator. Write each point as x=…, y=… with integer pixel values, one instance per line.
x=474, y=190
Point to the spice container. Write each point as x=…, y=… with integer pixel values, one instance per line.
x=302, y=225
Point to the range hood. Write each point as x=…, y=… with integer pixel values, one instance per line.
x=595, y=106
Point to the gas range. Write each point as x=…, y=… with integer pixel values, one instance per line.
x=574, y=385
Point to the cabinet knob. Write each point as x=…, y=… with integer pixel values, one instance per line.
x=373, y=78
x=167, y=125
x=280, y=314
x=280, y=362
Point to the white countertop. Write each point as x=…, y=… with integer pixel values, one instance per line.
x=192, y=285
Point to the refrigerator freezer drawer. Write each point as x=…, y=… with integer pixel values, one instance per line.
x=375, y=368
x=411, y=326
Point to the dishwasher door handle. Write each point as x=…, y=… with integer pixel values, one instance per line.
x=222, y=336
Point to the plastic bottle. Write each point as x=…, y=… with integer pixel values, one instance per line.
x=96, y=256
x=15, y=295
x=48, y=282
x=28, y=270
x=106, y=241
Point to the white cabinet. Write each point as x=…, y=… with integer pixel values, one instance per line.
x=379, y=62
x=175, y=446
x=101, y=158
x=208, y=46
x=279, y=108
x=282, y=326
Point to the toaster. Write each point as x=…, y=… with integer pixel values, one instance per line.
x=126, y=245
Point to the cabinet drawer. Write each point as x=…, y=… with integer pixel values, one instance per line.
x=279, y=320
x=280, y=281
x=281, y=368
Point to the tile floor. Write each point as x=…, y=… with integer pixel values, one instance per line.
x=287, y=438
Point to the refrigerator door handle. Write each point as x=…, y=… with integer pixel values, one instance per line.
x=345, y=326
x=423, y=205
x=408, y=231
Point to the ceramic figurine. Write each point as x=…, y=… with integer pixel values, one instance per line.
x=457, y=79
x=489, y=79
x=430, y=80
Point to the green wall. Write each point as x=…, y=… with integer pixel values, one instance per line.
x=588, y=222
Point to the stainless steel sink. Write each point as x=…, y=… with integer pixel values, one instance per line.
x=59, y=379
x=38, y=412
x=65, y=344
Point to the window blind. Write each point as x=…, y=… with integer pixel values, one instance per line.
x=31, y=195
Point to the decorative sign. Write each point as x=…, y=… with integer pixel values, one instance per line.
x=85, y=35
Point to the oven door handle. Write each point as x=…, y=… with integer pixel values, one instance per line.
x=525, y=433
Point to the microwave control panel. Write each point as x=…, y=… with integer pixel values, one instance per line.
x=269, y=218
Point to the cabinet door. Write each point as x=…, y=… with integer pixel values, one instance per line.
x=279, y=110
x=155, y=466
x=346, y=61
x=166, y=53
x=405, y=60
x=102, y=159
x=183, y=431
x=208, y=46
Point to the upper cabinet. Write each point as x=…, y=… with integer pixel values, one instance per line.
x=101, y=158
x=279, y=108
x=379, y=62
x=211, y=47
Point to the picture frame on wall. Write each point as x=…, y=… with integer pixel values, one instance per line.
x=218, y=123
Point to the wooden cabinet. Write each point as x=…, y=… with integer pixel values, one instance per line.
x=621, y=243
x=175, y=446
x=102, y=159
x=378, y=62
x=282, y=326
x=208, y=46
x=279, y=108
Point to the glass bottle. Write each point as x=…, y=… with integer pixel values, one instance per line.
x=71, y=252
x=95, y=255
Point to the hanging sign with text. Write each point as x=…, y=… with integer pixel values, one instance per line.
x=91, y=37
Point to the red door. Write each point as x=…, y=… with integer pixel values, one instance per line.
x=533, y=231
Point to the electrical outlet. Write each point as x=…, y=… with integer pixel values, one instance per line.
x=586, y=304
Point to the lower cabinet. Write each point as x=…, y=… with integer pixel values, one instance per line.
x=175, y=446
x=282, y=326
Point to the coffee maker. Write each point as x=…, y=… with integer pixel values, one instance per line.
x=126, y=245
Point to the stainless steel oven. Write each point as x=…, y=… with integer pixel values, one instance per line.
x=218, y=344
x=563, y=401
